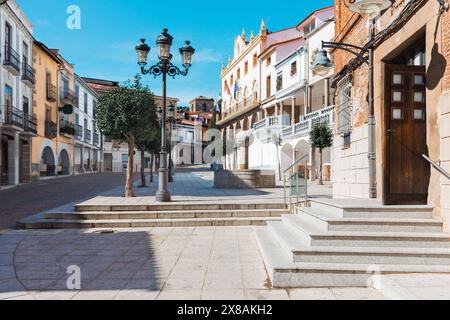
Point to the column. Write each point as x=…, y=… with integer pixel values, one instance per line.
x=310, y=99
x=305, y=106
x=292, y=111
x=13, y=160
x=82, y=159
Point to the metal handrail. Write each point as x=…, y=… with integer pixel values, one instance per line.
x=290, y=178
x=437, y=167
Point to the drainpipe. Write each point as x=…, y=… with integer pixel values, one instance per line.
x=371, y=120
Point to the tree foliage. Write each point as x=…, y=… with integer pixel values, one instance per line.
x=321, y=136
x=128, y=114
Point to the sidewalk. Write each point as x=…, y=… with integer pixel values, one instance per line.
x=196, y=185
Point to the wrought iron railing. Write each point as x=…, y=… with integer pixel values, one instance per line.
x=69, y=97
x=87, y=135
x=51, y=129
x=52, y=93
x=78, y=132
x=28, y=74
x=13, y=116
x=96, y=139
x=66, y=127
x=11, y=59
x=30, y=123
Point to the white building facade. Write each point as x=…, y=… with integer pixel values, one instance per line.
x=17, y=79
x=274, y=132
x=87, y=153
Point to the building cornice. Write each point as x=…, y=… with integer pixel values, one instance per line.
x=257, y=40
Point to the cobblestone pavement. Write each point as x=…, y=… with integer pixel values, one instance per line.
x=146, y=264
x=28, y=199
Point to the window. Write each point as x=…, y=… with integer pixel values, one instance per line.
x=8, y=35
x=293, y=68
x=26, y=105
x=269, y=61
x=231, y=80
x=85, y=103
x=255, y=60
x=239, y=73
x=77, y=92
x=268, y=86
x=345, y=105
x=279, y=81
x=25, y=54
x=94, y=108
x=8, y=96
x=246, y=67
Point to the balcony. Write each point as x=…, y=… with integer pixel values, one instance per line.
x=68, y=97
x=11, y=60
x=243, y=106
x=51, y=129
x=30, y=123
x=96, y=139
x=13, y=116
x=87, y=135
x=273, y=121
x=66, y=128
x=306, y=123
x=78, y=132
x=52, y=93
x=28, y=75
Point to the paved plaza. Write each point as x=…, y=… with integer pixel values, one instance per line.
x=186, y=263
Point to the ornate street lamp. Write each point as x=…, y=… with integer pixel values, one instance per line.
x=163, y=68
x=322, y=65
x=370, y=7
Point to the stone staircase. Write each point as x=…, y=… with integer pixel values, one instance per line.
x=336, y=243
x=158, y=215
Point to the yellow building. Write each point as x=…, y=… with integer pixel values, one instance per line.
x=52, y=150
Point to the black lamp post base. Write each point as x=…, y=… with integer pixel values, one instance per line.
x=162, y=196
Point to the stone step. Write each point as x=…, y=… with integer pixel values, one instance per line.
x=180, y=214
x=287, y=236
x=142, y=223
x=364, y=255
x=367, y=239
x=341, y=209
x=286, y=274
x=178, y=207
x=326, y=221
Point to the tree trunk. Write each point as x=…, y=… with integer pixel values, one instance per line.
x=129, y=180
x=320, y=167
x=152, y=163
x=143, y=180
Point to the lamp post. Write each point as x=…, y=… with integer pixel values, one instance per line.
x=171, y=119
x=322, y=65
x=164, y=68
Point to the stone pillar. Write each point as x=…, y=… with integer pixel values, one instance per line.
x=310, y=99
x=292, y=111
x=26, y=162
x=13, y=160
x=82, y=159
x=235, y=164
x=305, y=106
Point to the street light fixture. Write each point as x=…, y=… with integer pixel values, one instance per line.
x=163, y=68
x=370, y=7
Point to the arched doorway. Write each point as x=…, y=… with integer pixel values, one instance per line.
x=48, y=165
x=286, y=157
x=64, y=163
x=301, y=150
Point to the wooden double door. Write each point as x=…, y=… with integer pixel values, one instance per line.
x=407, y=174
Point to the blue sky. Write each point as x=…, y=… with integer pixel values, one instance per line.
x=104, y=46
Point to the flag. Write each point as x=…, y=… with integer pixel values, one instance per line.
x=236, y=89
x=227, y=88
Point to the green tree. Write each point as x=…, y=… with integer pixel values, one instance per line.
x=126, y=114
x=321, y=137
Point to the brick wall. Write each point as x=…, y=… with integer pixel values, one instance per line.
x=446, y=48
